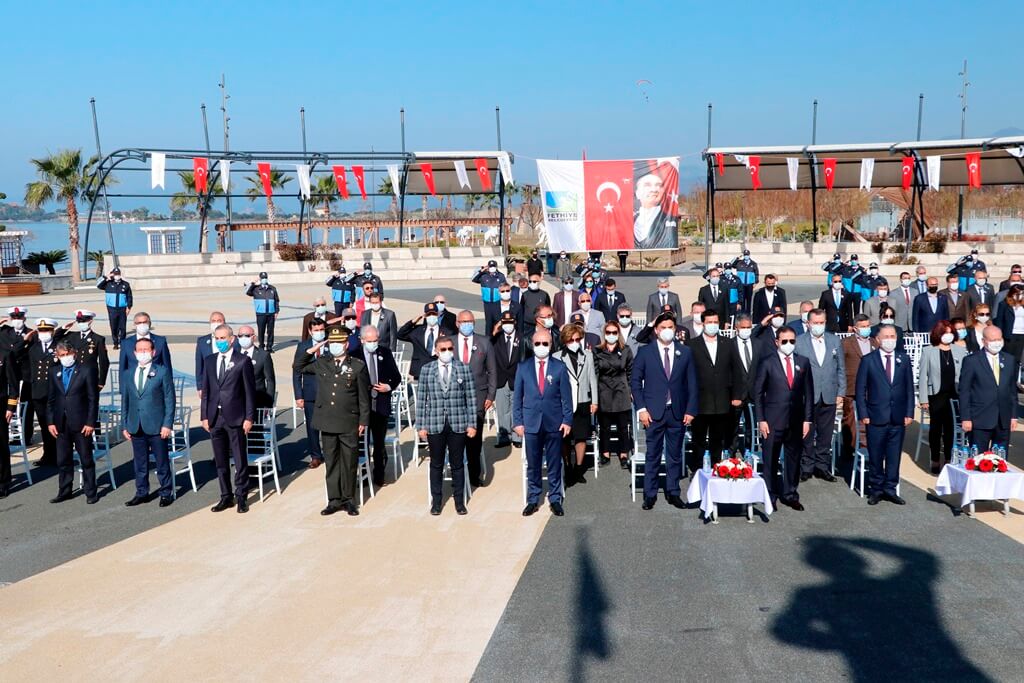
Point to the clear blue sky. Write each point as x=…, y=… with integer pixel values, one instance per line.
x=564, y=75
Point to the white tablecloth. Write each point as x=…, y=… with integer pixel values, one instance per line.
x=711, y=490
x=973, y=485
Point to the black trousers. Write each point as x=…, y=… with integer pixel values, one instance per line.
x=614, y=434
x=940, y=427
x=622, y=263
x=378, y=435
x=782, y=478
x=265, y=327
x=711, y=433
x=455, y=444
x=818, y=444
x=118, y=322
x=5, y=455
x=1015, y=345
x=474, y=447
x=38, y=406
x=66, y=444
x=312, y=434
x=341, y=460
x=229, y=445
x=986, y=438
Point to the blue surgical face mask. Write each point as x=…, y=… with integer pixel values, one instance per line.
x=466, y=329
x=318, y=335
x=222, y=345
x=336, y=349
x=961, y=334
x=589, y=284
x=264, y=281
x=368, y=272
x=864, y=332
x=440, y=306
x=371, y=347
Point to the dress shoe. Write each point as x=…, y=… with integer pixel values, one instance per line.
x=795, y=504
x=676, y=501
x=137, y=500
x=315, y=462
x=605, y=460
x=649, y=503
x=873, y=499
x=331, y=509
x=936, y=468
x=529, y=509
x=224, y=504
x=502, y=444
x=435, y=509
x=624, y=463
x=460, y=509
x=92, y=500
x=824, y=476
x=165, y=502
x=804, y=476
x=353, y=511
x=556, y=510
x=243, y=506
x=4, y=492
x=61, y=499
x=893, y=498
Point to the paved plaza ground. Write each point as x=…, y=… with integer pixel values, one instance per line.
x=609, y=592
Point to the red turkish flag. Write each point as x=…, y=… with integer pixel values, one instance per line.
x=608, y=189
x=485, y=175
x=264, y=170
x=339, y=178
x=720, y=160
x=357, y=171
x=754, y=166
x=973, y=160
x=830, y=172
x=428, y=177
x=200, y=173
x=908, y=172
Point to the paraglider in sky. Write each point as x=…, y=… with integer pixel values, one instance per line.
x=643, y=84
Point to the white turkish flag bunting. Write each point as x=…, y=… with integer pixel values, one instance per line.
x=505, y=166
x=743, y=159
x=393, y=174
x=1015, y=151
x=934, y=166
x=460, y=171
x=225, y=174
x=867, y=172
x=793, y=165
x=156, y=178
x=302, y=174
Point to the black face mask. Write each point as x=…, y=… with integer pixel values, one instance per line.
x=770, y=288
x=933, y=289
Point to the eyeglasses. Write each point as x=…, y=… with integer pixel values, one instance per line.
x=536, y=344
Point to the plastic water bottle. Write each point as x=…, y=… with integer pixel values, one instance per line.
x=748, y=458
x=707, y=462
x=974, y=451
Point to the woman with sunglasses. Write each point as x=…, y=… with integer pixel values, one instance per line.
x=981, y=317
x=613, y=362
x=580, y=363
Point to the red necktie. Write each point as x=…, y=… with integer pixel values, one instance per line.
x=465, y=351
x=789, y=371
x=906, y=294
x=540, y=377
x=888, y=367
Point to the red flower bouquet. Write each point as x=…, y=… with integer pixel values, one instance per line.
x=733, y=468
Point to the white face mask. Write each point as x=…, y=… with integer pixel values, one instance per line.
x=375, y=307
x=946, y=338
x=994, y=347
x=84, y=326
x=336, y=349
x=905, y=282
x=882, y=293
x=541, y=351
x=778, y=322
x=534, y=286
x=666, y=334
x=117, y=278
x=505, y=296
x=611, y=338
x=584, y=306
x=320, y=311
x=573, y=346
x=983, y=318
x=804, y=316
x=888, y=321
x=625, y=321
x=507, y=328
x=440, y=306
x=431, y=320
x=350, y=324
x=446, y=356
x=547, y=322
x=142, y=329
x=981, y=281
x=711, y=329
x=714, y=281
x=371, y=346
x=922, y=276
x=143, y=358
x=68, y=360
x=787, y=347
x=244, y=342
x=817, y=329
x=213, y=327
x=888, y=345
x=662, y=290
x=744, y=332
x=953, y=286
x=837, y=286
x=45, y=336
x=492, y=270
x=18, y=324
x=567, y=286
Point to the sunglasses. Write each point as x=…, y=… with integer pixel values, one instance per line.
x=244, y=336
x=446, y=348
x=536, y=344
x=787, y=342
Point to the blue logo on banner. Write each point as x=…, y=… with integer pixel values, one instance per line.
x=560, y=200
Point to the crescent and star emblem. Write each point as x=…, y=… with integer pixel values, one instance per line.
x=608, y=185
x=974, y=167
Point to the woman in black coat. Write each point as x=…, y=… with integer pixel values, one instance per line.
x=613, y=362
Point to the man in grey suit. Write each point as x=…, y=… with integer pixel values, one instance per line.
x=262, y=367
x=828, y=375
x=981, y=292
x=593, y=319
x=147, y=415
x=660, y=298
x=476, y=351
x=628, y=328
x=383, y=319
x=873, y=306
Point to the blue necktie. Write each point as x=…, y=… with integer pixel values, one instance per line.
x=66, y=377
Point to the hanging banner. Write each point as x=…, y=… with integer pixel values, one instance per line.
x=339, y=179
x=396, y=186
x=754, y=166
x=793, y=166
x=428, y=177
x=830, y=172
x=1017, y=152
x=973, y=160
x=200, y=171
x=610, y=205
x=357, y=171
x=720, y=160
x=505, y=166
x=934, y=166
x=156, y=171
x=302, y=175
x=264, y=170
x=460, y=172
x=908, y=172
x=485, y=175
x=867, y=172
x=225, y=174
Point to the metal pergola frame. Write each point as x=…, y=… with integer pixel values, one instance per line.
x=373, y=162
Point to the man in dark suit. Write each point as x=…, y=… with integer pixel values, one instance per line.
x=39, y=363
x=542, y=411
x=855, y=348
x=161, y=354
x=1015, y=270
x=988, y=392
x=421, y=333
x=721, y=391
x=494, y=311
x=661, y=298
x=544, y=322
x=319, y=311
x=981, y=292
x=768, y=297
x=9, y=403
x=72, y=408
x=204, y=346
x=342, y=415
x=929, y=308
x=508, y=352
x=475, y=350
x=565, y=302
x=956, y=301
x=838, y=305
x=147, y=418
x=228, y=410
x=445, y=316
x=664, y=384
x=714, y=297
x=748, y=354
x=885, y=404
x=767, y=331
x=384, y=377
x=90, y=347
x=383, y=319
x=800, y=324
x=304, y=388
x=609, y=301
x=783, y=410
x=531, y=299
x=652, y=227
x=262, y=367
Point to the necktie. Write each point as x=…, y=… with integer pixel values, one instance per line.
x=508, y=344
x=981, y=294
x=664, y=299
x=789, y=371
x=66, y=376
x=222, y=367
x=746, y=355
x=142, y=378
x=888, y=367
x=714, y=292
x=371, y=367
x=540, y=377
x=668, y=364
x=995, y=367
x=465, y=350
x=906, y=295
x=837, y=299
x=430, y=340
x=611, y=301
x=445, y=378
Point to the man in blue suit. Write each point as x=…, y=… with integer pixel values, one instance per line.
x=304, y=387
x=161, y=354
x=204, y=346
x=885, y=404
x=72, y=407
x=929, y=308
x=988, y=392
x=664, y=384
x=147, y=416
x=542, y=410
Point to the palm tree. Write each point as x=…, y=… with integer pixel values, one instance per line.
x=189, y=198
x=277, y=182
x=97, y=258
x=528, y=209
x=64, y=178
x=386, y=188
x=325, y=193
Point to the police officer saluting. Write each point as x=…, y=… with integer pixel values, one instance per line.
x=90, y=347
x=119, y=303
x=267, y=304
x=490, y=279
x=343, y=290
x=368, y=276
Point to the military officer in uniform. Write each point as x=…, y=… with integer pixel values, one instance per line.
x=119, y=303
x=41, y=343
x=341, y=415
x=9, y=401
x=90, y=347
x=267, y=304
x=13, y=346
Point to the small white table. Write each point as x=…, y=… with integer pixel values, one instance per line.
x=711, y=491
x=975, y=485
